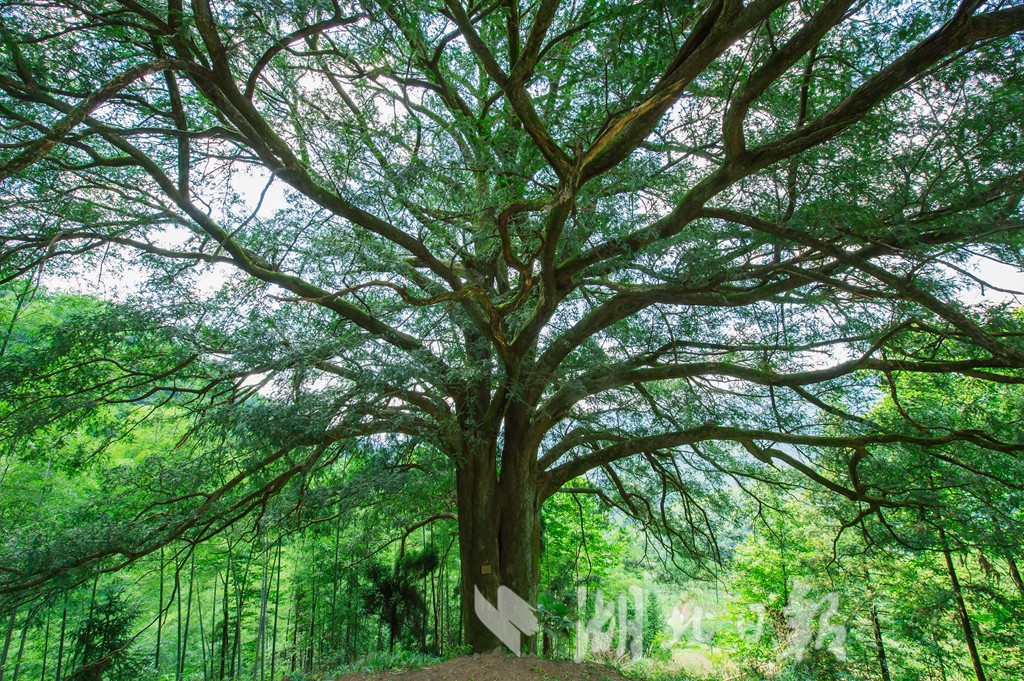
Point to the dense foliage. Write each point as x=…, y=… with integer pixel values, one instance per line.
x=380, y=272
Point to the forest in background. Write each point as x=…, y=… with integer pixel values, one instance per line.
x=354, y=567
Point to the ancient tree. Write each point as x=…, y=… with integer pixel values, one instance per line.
x=632, y=248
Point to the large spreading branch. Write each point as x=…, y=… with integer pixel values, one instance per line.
x=575, y=466
x=961, y=34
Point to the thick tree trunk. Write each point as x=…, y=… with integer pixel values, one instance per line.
x=499, y=534
x=476, y=489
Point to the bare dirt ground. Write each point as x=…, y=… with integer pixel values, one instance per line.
x=501, y=667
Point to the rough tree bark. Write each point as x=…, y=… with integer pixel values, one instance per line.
x=499, y=532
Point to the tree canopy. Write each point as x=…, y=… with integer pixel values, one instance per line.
x=645, y=250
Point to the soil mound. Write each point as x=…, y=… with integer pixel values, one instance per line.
x=500, y=667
